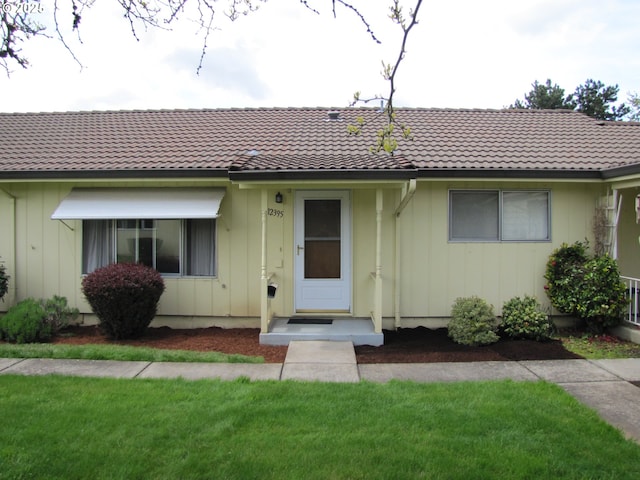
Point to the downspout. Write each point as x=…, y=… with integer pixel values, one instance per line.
x=13, y=281
x=407, y=195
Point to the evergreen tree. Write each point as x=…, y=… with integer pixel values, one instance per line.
x=597, y=100
x=545, y=96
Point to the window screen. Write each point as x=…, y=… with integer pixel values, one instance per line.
x=495, y=215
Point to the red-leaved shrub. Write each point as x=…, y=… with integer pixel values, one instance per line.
x=124, y=297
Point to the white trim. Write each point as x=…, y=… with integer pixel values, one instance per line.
x=139, y=203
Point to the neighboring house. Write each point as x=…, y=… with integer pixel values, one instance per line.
x=231, y=204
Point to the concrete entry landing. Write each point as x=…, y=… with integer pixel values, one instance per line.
x=358, y=331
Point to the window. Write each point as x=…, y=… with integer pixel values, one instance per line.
x=173, y=247
x=499, y=215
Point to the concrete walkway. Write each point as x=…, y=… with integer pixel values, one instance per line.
x=600, y=384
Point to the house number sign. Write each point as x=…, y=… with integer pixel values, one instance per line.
x=272, y=212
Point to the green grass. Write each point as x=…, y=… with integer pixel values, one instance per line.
x=118, y=352
x=599, y=347
x=68, y=428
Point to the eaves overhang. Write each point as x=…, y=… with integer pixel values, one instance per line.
x=115, y=174
x=623, y=171
x=324, y=175
x=499, y=173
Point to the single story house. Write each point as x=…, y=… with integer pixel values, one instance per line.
x=258, y=215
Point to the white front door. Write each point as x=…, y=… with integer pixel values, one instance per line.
x=322, y=251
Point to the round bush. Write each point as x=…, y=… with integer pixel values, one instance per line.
x=472, y=322
x=565, y=274
x=124, y=297
x=587, y=287
x=522, y=318
x=26, y=322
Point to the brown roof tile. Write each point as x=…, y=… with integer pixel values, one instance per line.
x=306, y=139
x=256, y=161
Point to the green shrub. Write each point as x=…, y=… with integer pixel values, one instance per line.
x=57, y=312
x=4, y=281
x=25, y=323
x=586, y=287
x=36, y=321
x=472, y=322
x=522, y=318
x=124, y=297
x=564, y=275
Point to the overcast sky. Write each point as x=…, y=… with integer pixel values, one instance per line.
x=463, y=54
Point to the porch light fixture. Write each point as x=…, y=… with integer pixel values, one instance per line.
x=279, y=198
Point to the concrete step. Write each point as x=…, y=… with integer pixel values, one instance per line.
x=358, y=331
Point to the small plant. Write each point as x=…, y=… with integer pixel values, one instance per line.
x=523, y=318
x=472, y=322
x=36, y=320
x=25, y=323
x=586, y=287
x=4, y=281
x=124, y=297
x=57, y=312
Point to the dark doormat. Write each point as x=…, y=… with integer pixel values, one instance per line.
x=310, y=321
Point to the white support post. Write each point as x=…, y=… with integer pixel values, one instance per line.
x=377, y=315
x=264, y=280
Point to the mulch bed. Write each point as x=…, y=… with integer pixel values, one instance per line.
x=423, y=345
x=408, y=345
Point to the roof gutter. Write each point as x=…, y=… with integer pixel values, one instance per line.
x=623, y=171
x=510, y=173
x=329, y=174
x=115, y=174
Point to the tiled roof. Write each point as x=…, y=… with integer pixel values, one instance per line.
x=306, y=139
x=318, y=161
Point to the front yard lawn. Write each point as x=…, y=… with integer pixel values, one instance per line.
x=600, y=346
x=118, y=352
x=65, y=428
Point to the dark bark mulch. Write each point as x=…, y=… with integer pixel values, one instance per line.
x=422, y=345
x=408, y=345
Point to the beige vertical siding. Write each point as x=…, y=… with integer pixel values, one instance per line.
x=629, y=235
x=49, y=254
x=7, y=245
x=364, y=250
x=433, y=270
x=45, y=249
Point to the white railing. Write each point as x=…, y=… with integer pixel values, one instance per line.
x=633, y=290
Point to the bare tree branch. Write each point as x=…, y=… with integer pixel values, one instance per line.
x=357, y=12
x=76, y=17
x=16, y=27
x=386, y=138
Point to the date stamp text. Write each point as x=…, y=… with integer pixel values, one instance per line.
x=21, y=7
